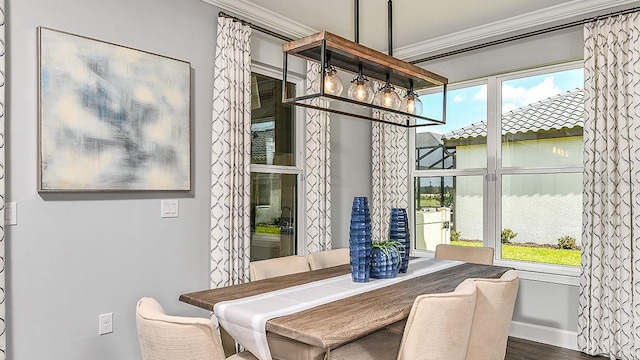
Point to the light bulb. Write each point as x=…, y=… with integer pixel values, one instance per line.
x=360, y=89
x=412, y=103
x=332, y=82
x=387, y=97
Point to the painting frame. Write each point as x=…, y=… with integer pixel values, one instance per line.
x=111, y=118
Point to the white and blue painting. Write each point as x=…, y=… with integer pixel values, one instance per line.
x=111, y=118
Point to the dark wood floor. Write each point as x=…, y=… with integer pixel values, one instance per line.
x=520, y=349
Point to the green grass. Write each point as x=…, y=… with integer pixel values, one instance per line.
x=533, y=254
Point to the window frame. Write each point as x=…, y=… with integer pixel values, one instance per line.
x=492, y=174
x=297, y=168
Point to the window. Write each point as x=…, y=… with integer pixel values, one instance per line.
x=506, y=169
x=449, y=169
x=275, y=173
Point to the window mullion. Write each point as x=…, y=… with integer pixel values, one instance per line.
x=491, y=198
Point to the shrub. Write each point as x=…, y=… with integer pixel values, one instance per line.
x=455, y=235
x=567, y=242
x=507, y=235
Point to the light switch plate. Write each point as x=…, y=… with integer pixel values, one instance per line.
x=10, y=213
x=169, y=208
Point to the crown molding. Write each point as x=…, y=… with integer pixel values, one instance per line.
x=521, y=22
x=269, y=19
x=263, y=17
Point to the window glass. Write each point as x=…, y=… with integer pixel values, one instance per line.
x=542, y=218
x=274, y=191
x=531, y=169
x=272, y=123
x=273, y=214
x=436, y=146
x=541, y=125
x=542, y=119
x=448, y=210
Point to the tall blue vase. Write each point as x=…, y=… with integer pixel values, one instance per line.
x=399, y=231
x=360, y=240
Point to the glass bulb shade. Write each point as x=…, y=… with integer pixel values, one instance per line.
x=412, y=104
x=387, y=98
x=361, y=90
x=332, y=83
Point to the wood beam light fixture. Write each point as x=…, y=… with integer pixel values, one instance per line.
x=336, y=54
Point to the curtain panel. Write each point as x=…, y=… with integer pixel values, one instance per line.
x=231, y=155
x=609, y=315
x=390, y=172
x=317, y=170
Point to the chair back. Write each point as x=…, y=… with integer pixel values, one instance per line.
x=492, y=319
x=329, y=258
x=164, y=337
x=439, y=325
x=265, y=269
x=471, y=254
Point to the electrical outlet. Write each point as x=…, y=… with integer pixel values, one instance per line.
x=105, y=322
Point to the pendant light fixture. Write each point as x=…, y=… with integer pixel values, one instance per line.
x=361, y=89
x=336, y=54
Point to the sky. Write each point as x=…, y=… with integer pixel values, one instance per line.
x=469, y=105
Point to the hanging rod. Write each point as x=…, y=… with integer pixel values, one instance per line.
x=525, y=35
x=469, y=48
x=256, y=27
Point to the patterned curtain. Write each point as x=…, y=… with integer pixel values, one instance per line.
x=3, y=292
x=317, y=170
x=231, y=155
x=390, y=172
x=609, y=317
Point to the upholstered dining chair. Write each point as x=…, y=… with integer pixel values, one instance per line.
x=438, y=327
x=281, y=347
x=477, y=255
x=269, y=268
x=492, y=319
x=165, y=337
x=329, y=258
x=472, y=254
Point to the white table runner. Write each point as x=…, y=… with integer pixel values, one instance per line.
x=245, y=319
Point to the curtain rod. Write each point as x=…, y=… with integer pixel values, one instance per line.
x=525, y=35
x=470, y=48
x=256, y=27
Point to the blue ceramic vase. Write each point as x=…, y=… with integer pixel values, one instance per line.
x=384, y=264
x=360, y=240
x=399, y=231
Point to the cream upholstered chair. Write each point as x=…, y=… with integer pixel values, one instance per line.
x=477, y=255
x=329, y=258
x=438, y=327
x=165, y=337
x=281, y=347
x=492, y=319
x=269, y=268
x=472, y=254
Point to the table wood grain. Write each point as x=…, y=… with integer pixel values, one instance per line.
x=342, y=321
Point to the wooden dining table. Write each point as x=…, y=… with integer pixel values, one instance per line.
x=336, y=323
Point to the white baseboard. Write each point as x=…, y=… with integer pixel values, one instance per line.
x=544, y=334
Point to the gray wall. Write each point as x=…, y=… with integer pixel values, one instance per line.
x=74, y=256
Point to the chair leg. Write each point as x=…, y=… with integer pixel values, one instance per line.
x=228, y=343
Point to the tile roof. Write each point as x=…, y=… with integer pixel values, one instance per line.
x=563, y=111
x=258, y=143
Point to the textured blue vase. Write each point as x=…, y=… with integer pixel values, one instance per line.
x=399, y=231
x=384, y=265
x=360, y=240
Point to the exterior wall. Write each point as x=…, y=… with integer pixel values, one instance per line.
x=540, y=208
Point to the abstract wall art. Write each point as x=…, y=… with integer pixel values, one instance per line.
x=111, y=118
